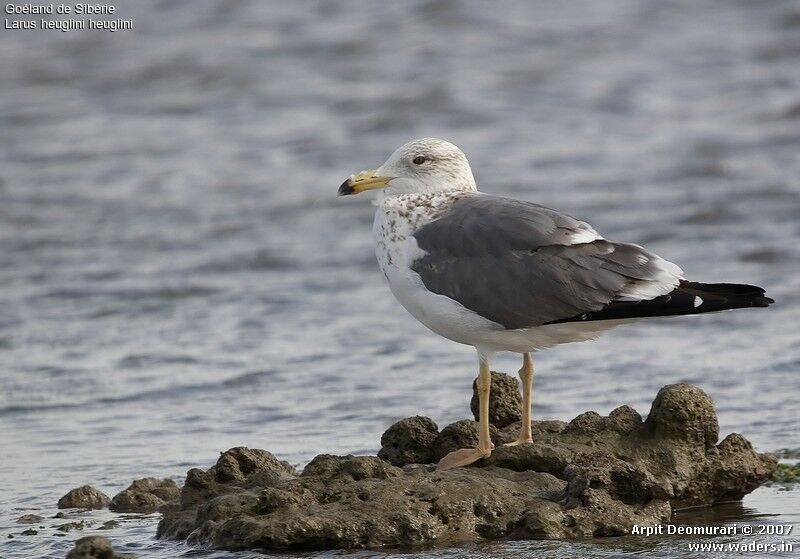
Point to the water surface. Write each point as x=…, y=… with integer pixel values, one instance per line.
x=178, y=277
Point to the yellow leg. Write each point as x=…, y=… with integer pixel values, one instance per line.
x=526, y=376
x=466, y=456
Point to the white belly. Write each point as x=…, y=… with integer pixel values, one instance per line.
x=396, y=250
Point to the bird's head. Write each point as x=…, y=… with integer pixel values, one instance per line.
x=425, y=165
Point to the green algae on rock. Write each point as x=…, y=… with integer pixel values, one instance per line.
x=70, y=526
x=594, y=476
x=787, y=475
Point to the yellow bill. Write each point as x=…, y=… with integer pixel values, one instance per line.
x=365, y=180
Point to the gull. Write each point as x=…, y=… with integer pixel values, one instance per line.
x=502, y=274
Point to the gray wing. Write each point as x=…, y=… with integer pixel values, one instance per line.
x=520, y=264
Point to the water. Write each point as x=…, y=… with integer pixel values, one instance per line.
x=178, y=277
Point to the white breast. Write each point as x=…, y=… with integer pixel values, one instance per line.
x=396, y=249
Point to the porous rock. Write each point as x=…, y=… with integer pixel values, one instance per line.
x=84, y=497
x=95, y=547
x=684, y=412
x=257, y=466
x=504, y=400
x=145, y=496
x=409, y=441
x=594, y=476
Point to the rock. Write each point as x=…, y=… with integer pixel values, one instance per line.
x=504, y=400
x=237, y=469
x=587, y=422
x=241, y=463
x=737, y=470
x=85, y=497
x=537, y=457
x=95, y=547
x=600, y=477
x=624, y=419
x=409, y=441
x=684, y=411
x=145, y=496
x=70, y=526
x=594, y=476
x=29, y=519
x=330, y=467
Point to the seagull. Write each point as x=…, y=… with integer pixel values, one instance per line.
x=502, y=274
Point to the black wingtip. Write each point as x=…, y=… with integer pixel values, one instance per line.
x=736, y=295
x=688, y=298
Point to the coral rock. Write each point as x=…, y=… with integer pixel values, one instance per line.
x=145, y=496
x=594, y=476
x=409, y=441
x=95, y=547
x=504, y=400
x=85, y=497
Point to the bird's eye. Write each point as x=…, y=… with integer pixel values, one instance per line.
x=419, y=160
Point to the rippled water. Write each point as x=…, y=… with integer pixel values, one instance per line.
x=178, y=277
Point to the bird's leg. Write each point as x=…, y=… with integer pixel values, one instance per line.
x=526, y=376
x=466, y=456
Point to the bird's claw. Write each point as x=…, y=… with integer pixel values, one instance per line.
x=519, y=442
x=462, y=457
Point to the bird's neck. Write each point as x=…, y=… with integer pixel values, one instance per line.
x=418, y=207
x=389, y=194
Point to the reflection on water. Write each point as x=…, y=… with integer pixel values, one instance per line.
x=179, y=278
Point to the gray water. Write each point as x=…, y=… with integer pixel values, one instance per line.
x=177, y=276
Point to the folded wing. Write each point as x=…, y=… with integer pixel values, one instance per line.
x=520, y=264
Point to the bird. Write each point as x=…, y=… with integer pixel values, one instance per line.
x=502, y=274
